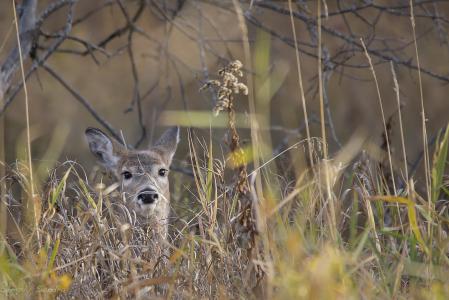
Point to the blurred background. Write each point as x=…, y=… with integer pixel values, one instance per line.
x=134, y=61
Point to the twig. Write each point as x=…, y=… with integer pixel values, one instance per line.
x=83, y=101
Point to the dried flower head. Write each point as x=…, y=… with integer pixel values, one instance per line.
x=227, y=86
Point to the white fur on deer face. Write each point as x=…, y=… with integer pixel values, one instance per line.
x=143, y=174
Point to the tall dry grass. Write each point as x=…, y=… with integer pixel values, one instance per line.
x=378, y=246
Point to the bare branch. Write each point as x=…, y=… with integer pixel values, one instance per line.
x=83, y=101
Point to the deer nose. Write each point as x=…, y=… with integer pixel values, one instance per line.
x=148, y=196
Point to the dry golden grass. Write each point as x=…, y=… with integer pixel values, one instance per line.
x=378, y=246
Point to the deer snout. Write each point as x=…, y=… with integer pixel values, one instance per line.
x=148, y=196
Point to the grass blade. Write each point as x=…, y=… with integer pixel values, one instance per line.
x=411, y=216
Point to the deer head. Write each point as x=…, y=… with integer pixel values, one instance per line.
x=142, y=174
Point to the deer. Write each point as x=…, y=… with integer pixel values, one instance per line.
x=142, y=174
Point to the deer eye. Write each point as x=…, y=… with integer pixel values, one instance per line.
x=127, y=175
x=162, y=172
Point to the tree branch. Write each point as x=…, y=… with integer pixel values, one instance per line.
x=27, y=31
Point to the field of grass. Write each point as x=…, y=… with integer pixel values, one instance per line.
x=249, y=219
x=340, y=228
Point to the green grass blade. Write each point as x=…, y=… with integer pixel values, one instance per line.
x=439, y=164
x=61, y=186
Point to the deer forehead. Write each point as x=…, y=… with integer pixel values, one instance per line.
x=141, y=161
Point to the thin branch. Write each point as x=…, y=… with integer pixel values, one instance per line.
x=51, y=49
x=83, y=101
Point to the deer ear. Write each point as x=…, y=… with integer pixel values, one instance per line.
x=106, y=150
x=167, y=143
